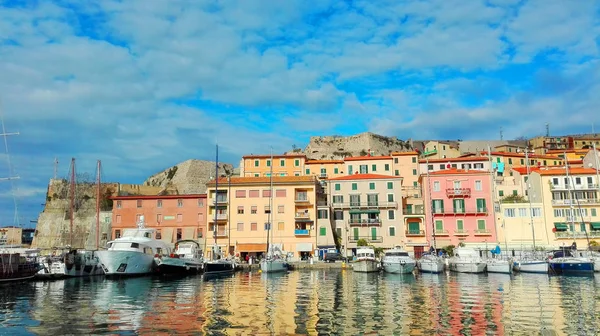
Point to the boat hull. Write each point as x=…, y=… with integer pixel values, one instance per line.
x=168, y=265
x=273, y=266
x=467, y=267
x=537, y=266
x=431, y=266
x=218, y=267
x=571, y=266
x=398, y=267
x=500, y=266
x=125, y=263
x=365, y=266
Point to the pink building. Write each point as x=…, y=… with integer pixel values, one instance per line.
x=459, y=208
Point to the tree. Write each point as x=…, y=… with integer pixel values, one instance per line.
x=362, y=242
x=449, y=250
x=514, y=199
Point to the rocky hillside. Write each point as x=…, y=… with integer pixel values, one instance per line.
x=338, y=147
x=188, y=177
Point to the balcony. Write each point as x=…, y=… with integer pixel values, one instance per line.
x=571, y=235
x=301, y=232
x=470, y=211
x=411, y=192
x=582, y=201
x=365, y=222
x=440, y=233
x=413, y=212
x=302, y=216
x=220, y=234
x=365, y=205
x=302, y=198
x=220, y=217
x=323, y=175
x=370, y=239
x=584, y=186
x=483, y=232
x=322, y=204
x=431, y=152
x=219, y=200
x=458, y=192
x=461, y=232
x=415, y=233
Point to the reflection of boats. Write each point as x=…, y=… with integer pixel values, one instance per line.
x=133, y=253
x=365, y=261
x=564, y=262
x=187, y=258
x=397, y=260
x=466, y=260
x=18, y=264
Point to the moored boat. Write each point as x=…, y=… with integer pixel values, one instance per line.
x=431, y=263
x=397, y=260
x=497, y=265
x=564, y=262
x=466, y=260
x=185, y=259
x=365, y=261
x=17, y=264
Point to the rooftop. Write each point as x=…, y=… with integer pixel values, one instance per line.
x=404, y=153
x=364, y=177
x=455, y=171
x=268, y=156
x=264, y=180
x=458, y=159
x=562, y=171
x=309, y=162
x=366, y=158
x=162, y=197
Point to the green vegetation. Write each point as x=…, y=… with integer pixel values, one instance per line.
x=362, y=242
x=449, y=250
x=514, y=199
x=171, y=173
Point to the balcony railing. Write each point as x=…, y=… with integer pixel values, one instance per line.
x=461, y=232
x=220, y=234
x=413, y=212
x=458, y=192
x=219, y=200
x=302, y=198
x=483, y=232
x=469, y=211
x=576, y=202
x=411, y=192
x=570, y=234
x=441, y=232
x=302, y=215
x=415, y=233
x=299, y=232
x=584, y=186
x=365, y=222
x=220, y=216
x=364, y=205
x=323, y=175
x=370, y=239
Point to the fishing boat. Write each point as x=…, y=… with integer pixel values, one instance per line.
x=497, y=264
x=185, y=259
x=217, y=264
x=397, y=260
x=466, y=260
x=272, y=263
x=17, y=264
x=133, y=253
x=365, y=261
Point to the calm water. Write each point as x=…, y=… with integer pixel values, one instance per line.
x=306, y=302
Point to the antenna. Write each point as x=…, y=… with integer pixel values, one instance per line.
x=547, y=130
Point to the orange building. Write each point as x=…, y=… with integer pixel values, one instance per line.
x=324, y=168
x=283, y=165
x=175, y=217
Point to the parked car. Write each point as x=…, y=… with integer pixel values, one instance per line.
x=332, y=257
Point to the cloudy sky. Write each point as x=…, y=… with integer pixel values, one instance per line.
x=145, y=84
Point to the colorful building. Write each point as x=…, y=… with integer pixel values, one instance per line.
x=245, y=208
x=571, y=203
x=366, y=207
x=468, y=162
x=441, y=150
x=514, y=226
x=461, y=207
x=283, y=165
x=324, y=169
x=174, y=217
x=379, y=165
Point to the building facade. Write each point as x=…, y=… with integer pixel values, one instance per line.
x=324, y=169
x=282, y=165
x=379, y=165
x=175, y=217
x=247, y=207
x=441, y=150
x=366, y=207
x=461, y=207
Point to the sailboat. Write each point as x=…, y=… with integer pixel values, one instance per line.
x=218, y=264
x=531, y=262
x=431, y=262
x=565, y=261
x=272, y=263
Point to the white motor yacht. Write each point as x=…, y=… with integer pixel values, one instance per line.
x=133, y=253
x=365, y=261
x=397, y=260
x=466, y=260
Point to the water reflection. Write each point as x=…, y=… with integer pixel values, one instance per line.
x=324, y=302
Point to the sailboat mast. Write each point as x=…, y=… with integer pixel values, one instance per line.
x=98, y=205
x=597, y=167
x=269, y=232
x=216, y=199
x=529, y=194
x=432, y=207
x=570, y=191
x=9, y=164
x=493, y=181
x=72, y=203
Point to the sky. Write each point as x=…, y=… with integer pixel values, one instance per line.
x=144, y=84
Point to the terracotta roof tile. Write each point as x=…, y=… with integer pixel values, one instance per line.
x=455, y=171
x=458, y=159
x=363, y=177
x=562, y=171
x=522, y=155
x=366, y=158
x=264, y=180
x=143, y=197
x=268, y=156
x=309, y=162
x=404, y=153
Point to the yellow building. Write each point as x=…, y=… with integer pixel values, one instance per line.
x=586, y=142
x=571, y=203
x=514, y=226
x=441, y=150
x=542, y=144
x=324, y=169
x=11, y=235
x=283, y=165
x=243, y=211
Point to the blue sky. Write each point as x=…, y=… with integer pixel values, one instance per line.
x=145, y=84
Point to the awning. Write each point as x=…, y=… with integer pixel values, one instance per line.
x=359, y=211
x=304, y=247
x=595, y=225
x=251, y=247
x=561, y=226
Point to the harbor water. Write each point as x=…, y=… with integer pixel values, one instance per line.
x=330, y=301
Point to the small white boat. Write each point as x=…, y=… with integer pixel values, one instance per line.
x=497, y=265
x=186, y=259
x=531, y=263
x=273, y=265
x=397, y=260
x=132, y=254
x=365, y=261
x=466, y=260
x=431, y=263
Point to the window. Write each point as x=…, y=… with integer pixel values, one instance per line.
x=179, y=203
x=254, y=193
x=414, y=159
x=117, y=233
x=240, y=194
x=350, y=171
x=396, y=172
x=391, y=214
x=158, y=218
x=180, y=218
x=336, y=171
x=240, y=210
x=436, y=185
x=337, y=187
x=268, y=163
x=439, y=226
x=515, y=193
x=392, y=231
x=593, y=212
x=374, y=168
x=501, y=193
x=280, y=193
x=509, y=161
x=481, y=206
x=442, y=166
x=158, y=234
x=280, y=226
x=395, y=160
x=536, y=212
x=322, y=231
x=253, y=226
x=159, y=203
x=321, y=214
x=354, y=186
x=522, y=212
x=414, y=172
x=509, y=212
x=364, y=169
x=253, y=210
x=282, y=162
x=118, y=218
x=200, y=202
x=119, y=205
x=323, y=171
x=390, y=185
x=460, y=227
x=256, y=175
x=522, y=162
x=578, y=180
x=139, y=203
x=256, y=163
x=371, y=185
x=179, y=234
x=478, y=186
x=338, y=231
x=240, y=226
x=266, y=193
x=267, y=209
x=415, y=184
x=430, y=167
x=138, y=218
x=280, y=209
x=338, y=199
x=459, y=205
x=338, y=215
x=307, y=171
x=555, y=181
x=438, y=206
x=386, y=167
x=296, y=163
x=481, y=225
x=390, y=197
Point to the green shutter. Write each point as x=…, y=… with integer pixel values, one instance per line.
x=296, y=162
x=350, y=171
x=373, y=233
x=397, y=172
x=480, y=204
x=268, y=163
x=338, y=187
x=515, y=193
x=307, y=171
x=372, y=185
x=392, y=231
x=459, y=225
x=439, y=225
x=387, y=167
x=481, y=224
x=323, y=231
x=414, y=160
x=415, y=184
x=501, y=193
x=256, y=163
x=374, y=168
x=335, y=171
x=390, y=197
x=390, y=185
x=414, y=172
x=355, y=233
x=593, y=212
x=413, y=227
x=354, y=186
